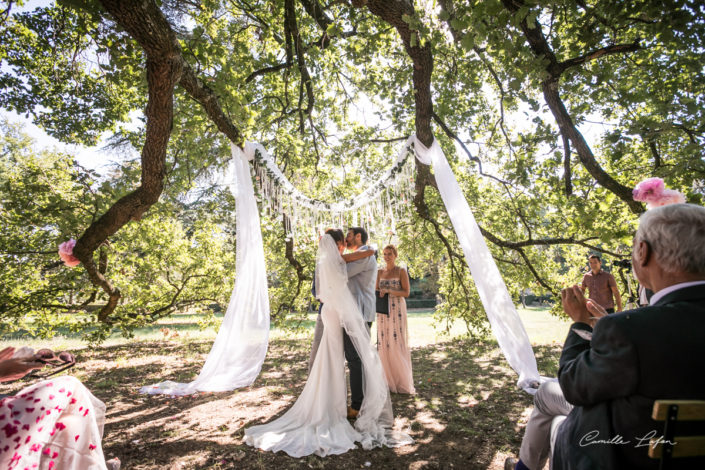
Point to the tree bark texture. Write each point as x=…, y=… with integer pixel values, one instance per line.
x=393, y=11
x=146, y=24
x=165, y=67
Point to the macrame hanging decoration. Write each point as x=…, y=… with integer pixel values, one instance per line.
x=378, y=208
x=385, y=200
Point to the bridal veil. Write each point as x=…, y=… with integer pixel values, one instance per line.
x=317, y=422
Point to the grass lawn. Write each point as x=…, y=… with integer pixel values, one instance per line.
x=467, y=412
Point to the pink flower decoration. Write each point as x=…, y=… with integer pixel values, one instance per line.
x=669, y=196
x=653, y=192
x=66, y=253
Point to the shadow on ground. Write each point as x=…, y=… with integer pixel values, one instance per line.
x=467, y=412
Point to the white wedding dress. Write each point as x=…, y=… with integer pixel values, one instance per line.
x=317, y=423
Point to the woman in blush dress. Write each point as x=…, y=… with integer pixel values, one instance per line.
x=392, y=329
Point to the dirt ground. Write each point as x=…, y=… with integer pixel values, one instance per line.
x=467, y=412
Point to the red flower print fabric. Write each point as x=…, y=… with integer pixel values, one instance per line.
x=56, y=424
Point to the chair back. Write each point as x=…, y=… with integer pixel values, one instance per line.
x=674, y=443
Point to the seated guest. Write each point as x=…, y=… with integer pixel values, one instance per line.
x=53, y=424
x=610, y=377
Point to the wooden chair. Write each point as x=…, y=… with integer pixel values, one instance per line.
x=674, y=444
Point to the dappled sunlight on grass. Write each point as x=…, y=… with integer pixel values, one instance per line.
x=467, y=411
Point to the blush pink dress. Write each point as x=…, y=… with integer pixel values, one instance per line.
x=393, y=342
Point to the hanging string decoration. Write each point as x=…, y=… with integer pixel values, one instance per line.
x=377, y=208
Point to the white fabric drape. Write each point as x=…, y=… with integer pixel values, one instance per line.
x=238, y=352
x=240, y=347
x=501, y=312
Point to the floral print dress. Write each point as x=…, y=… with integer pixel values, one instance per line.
x=55, y=424
x=393, y=341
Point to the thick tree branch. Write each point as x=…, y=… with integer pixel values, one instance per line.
x=654, y=152
x=393, y=12
x=166, y=67
x=567, y=169
x=315, y=11
x=147, y=25
x=293, y=34
x=539, y=45
x=596, y=54
x=298, y=268
x=536, y=275
x=209, y=100
x=266, y=70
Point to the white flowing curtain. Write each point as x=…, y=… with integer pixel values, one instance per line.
x=238, y=352
x=499, y=307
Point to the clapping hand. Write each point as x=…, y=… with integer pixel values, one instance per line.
x=16, y=368
x=47, y=356
x=575, y=305
x=596, y=310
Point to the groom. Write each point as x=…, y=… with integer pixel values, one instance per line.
x=362, y=276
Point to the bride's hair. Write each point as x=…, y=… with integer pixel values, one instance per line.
x=336, y=234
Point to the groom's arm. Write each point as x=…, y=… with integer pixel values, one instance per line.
x=360, y=266
x=358, y=255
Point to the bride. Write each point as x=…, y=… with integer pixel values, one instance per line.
x=317, y=423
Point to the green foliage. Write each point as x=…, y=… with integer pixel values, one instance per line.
x=180, y=256
x=641, y=113
x=84, y=78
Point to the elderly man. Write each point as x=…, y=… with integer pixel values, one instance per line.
x=609, y=378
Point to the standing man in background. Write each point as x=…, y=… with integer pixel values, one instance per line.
x=601, y=286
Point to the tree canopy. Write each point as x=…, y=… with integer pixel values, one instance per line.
x=550, y=112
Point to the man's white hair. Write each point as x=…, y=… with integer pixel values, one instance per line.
x=676, y=234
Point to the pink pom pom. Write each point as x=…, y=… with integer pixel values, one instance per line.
x=669, y=196
x=653, y=192
x=648, y=190
x=66, y=253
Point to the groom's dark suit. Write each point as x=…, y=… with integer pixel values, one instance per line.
x=634, y=358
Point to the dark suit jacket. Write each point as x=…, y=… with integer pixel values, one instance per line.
x=634, y=358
